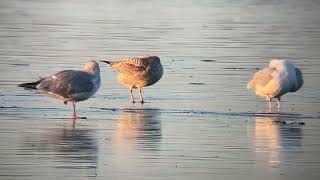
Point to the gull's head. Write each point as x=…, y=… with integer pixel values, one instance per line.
x=92, y=67
x=156, y=59
x=152, y=60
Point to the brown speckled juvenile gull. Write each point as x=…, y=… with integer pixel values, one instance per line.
x=276, y=80
x=138, y=72
x=70, y=85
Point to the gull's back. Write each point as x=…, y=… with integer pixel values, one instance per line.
x=69, y=84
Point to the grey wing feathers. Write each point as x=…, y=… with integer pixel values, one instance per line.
x=299, y=80
x=67, y=83
x=262, y=78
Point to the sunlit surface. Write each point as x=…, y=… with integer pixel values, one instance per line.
x=199, y=121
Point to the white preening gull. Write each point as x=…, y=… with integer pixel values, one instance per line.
x=276, y=80
x=70, y=85
x=138, y=72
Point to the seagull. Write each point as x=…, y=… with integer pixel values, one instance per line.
x=276, y=80
x=138, y=72
x=70, y=85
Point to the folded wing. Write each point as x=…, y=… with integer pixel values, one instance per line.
x=67, y=83
x=261, y=78
x=131, y=66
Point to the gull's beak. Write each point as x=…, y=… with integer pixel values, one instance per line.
x=108, y=62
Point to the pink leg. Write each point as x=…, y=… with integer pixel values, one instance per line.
x=73, y=123
x=278, y=104
x=74, y=111
x=131, y=96
x=270, y=105
x=141, y=97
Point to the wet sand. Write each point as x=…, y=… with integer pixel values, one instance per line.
x=199, y=120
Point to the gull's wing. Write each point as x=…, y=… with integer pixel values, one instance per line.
x=67, y=83
x=130, y=66
x=261, y=78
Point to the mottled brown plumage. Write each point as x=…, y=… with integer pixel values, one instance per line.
x=138, y=72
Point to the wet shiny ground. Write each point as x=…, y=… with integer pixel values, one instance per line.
x=199, y=121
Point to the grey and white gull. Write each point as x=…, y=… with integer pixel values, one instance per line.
x=70, y=85
x=138, y=72
x=276, y=80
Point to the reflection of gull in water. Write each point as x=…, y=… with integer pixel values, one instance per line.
x=275, y=138
x=73, y=149
x=70, y=85
x=76, y=145
x=276, y=80
x=140, y=127
x=267, y=138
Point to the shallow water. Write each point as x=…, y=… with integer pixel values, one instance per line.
x=199, y=121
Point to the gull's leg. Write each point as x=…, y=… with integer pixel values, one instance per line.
x=278, y=104
x=141, y=97
x=74, y=110
x=73, y=123
x=131, y=96
x=270, y=105
x=74, y=117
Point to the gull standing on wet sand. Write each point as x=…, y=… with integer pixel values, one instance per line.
x=70, y=85
x=276, y=80
x=138, y=72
